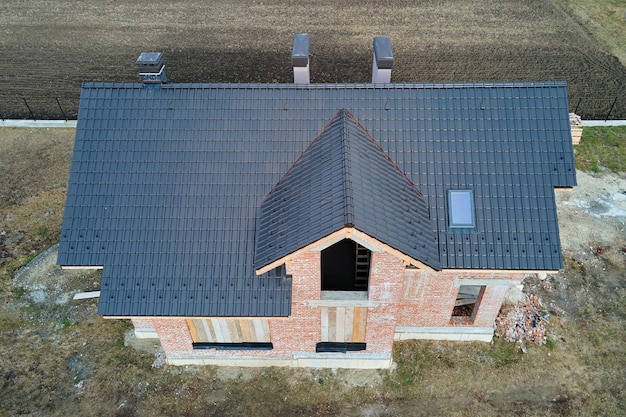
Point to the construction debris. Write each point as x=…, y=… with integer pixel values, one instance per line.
x=523, y=323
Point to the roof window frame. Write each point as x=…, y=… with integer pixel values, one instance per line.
x=456, y=220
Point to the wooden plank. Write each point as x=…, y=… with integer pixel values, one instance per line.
x=360, y=324
x=219, y=336
x=210, y=330
x=324, y=313
x=332, y=324
x=340, y=336
x=349, y=324
x=247, y=330
x=261, y=330
x=202, y=327
x=233, y=331
x=193, y=331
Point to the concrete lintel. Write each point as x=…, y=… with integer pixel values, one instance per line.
x=342, y=303
x=486, y=282
x=146, y=333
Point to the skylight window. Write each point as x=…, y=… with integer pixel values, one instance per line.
x=461, y=209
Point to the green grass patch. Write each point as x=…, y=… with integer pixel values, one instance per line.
x=602, y=147
x=503, y=353
x=605, y=20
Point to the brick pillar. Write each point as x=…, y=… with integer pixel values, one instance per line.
x=385, y=286
x=490, y=305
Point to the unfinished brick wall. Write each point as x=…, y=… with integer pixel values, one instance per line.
x=385, y=287
x=428, y=298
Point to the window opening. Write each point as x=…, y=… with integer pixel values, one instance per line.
x=467, y=303
x=345, y=267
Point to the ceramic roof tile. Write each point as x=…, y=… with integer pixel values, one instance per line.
x=163, y=178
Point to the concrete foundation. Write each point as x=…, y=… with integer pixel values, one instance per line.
x=297, y=360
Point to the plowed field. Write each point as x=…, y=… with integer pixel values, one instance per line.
x=48, y=47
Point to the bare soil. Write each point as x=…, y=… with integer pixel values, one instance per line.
x=60, y=358
x=49, y=47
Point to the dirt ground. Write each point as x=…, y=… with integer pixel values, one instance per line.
x=49, y=47
x=60, y=358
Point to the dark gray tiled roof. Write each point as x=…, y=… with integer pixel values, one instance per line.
x=166, y=184
x=344, y=179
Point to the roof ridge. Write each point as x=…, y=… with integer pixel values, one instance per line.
x=347, y=170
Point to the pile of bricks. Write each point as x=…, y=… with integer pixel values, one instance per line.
x=522, y=323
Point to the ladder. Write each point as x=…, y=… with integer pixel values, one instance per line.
x=362, y=270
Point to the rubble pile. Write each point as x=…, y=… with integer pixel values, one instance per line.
x=523, y=323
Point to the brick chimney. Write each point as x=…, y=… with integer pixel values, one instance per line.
x=383, y=61
x=151, y=69
x=300, y=58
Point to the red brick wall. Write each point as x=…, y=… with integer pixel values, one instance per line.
x=386, y=281
x=428, y=298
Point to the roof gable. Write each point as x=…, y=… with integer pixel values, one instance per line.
x=344, y=179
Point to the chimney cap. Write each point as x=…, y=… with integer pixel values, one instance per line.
x=149, y=61
x=300, y=52
x=382, y=52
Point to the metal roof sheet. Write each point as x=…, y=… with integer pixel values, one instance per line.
x=166, y=184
